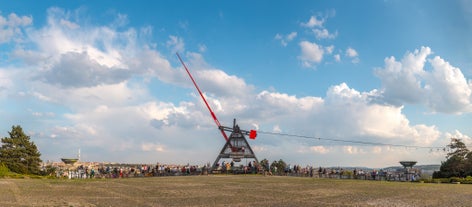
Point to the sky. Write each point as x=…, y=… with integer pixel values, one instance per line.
x=103, y=77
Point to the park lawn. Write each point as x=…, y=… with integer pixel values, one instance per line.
x=229, y=190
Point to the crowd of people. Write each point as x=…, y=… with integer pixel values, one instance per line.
x=226, y=167
x=128, y=170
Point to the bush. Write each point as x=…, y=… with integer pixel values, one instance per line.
x=441, y=180
x=455, y=179
x=48, y=171
x=4, y=171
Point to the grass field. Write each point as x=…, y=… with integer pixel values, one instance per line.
x=229, y=191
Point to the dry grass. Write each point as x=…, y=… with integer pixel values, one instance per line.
x=229, y=191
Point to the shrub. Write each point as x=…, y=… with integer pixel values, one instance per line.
x=4, y=171
x=455, y=179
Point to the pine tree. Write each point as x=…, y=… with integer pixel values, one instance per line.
x=19, y=154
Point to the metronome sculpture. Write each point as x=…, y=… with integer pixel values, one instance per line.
x=236, y=146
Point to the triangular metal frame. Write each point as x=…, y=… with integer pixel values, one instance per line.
x=237, y=147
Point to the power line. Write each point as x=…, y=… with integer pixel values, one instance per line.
x=351, y=141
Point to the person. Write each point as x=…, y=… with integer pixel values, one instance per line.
x=228, y=166
x=92, y=173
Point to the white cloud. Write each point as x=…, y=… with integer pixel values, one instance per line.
x=351, y=52
x=218, y=82
x=337, y=57
x=152, y=147
x=276, y=129
x=280, y=100
x=291, y=36
x=78, y=70
x=70, y=25
x=324, y=34
x=202, y=48
x=345, y=113
x=285, y=39
x=319, y=149
x=459, y=135
x=11, y=27
x=447, y=88
x=5, y=80
x=313, y=22
x=362, y=118
x=399, y=79
x=311, y=53
x=352, y=150
x=329, y=49
x=176, y=44
x=444, y=89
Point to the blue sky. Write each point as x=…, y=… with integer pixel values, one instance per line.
x=103, y=77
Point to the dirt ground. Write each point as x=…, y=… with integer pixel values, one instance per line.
x=229, y=191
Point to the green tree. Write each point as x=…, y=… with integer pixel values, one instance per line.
x=279, y=165
x=458, y=147
x=265, y=164
x=458, y=162
x=19, y=154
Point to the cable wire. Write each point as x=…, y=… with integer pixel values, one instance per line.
x=351, y=141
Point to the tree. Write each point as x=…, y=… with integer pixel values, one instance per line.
x=280, y=166
x=458, y=162
x=19, y=154
x=458, y=147
x=265, y=164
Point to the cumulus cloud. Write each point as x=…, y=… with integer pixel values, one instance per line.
x=346, y=113
x=459, y=135
x=314, y=52
x=352, y=53
x=364, y=118
x=311, y=53
x=281, y=100
x=448, y=90
x=442, y=89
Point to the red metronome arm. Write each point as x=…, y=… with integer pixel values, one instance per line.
x=204, y=100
